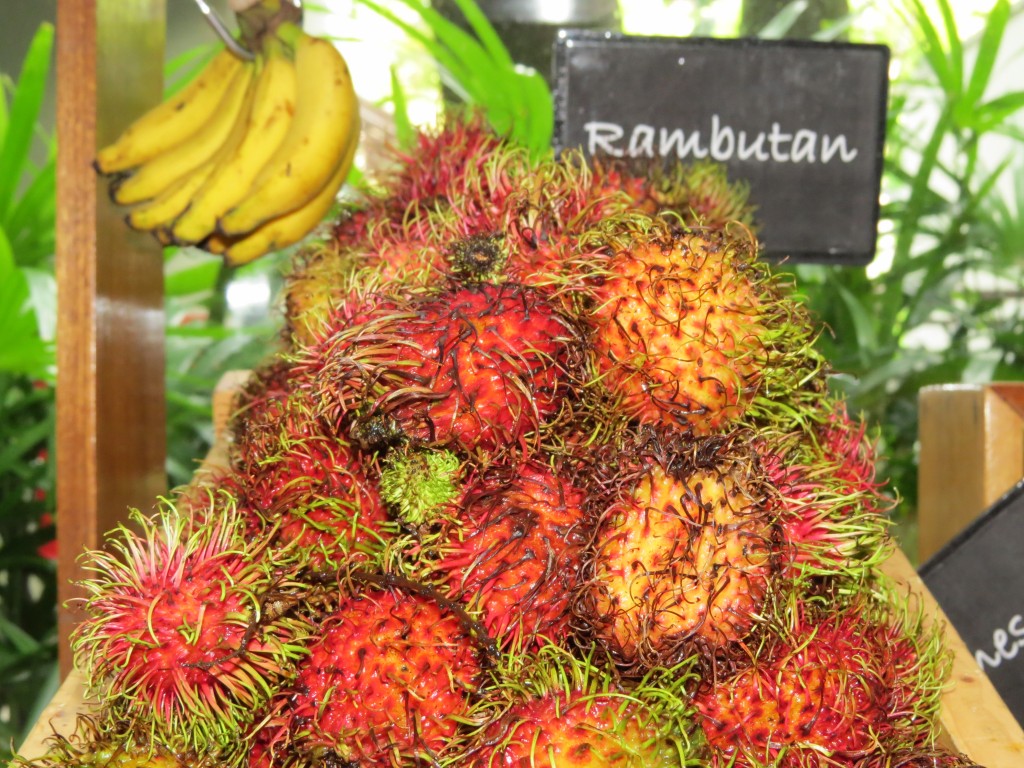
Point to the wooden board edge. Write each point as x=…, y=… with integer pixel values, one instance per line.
x=973, y=717
x=60, y=716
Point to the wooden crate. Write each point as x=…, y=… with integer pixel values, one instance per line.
x=972, y=452
x=973, y=719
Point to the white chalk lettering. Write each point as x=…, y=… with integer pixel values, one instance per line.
x=601, y=138
x=1007, y=643
x=804, y=143
x=777, y=138
x=682, y=145
x=830, y=146
x=755, y=149
x=724, y=142
x=641, y=141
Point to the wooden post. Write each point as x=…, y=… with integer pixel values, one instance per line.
x=972, y=452
x=110, y=325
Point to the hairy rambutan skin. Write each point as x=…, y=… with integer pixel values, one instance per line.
x=385, y=682
x=700, y=194
x=514, y=550
x=847, y=685
x=682, y=561
x=477, y=368
x=832, y=511
x=687, y=328
x=550, y=708
x=98, y=743
x=321, y=496
x=178, y=638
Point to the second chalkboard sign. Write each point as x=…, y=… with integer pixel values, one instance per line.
x=978, y=580
x=803, y=123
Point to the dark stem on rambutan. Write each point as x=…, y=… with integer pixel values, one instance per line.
x=478, y=258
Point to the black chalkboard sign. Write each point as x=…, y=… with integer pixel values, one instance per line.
x=803, y=123
x=978, y=579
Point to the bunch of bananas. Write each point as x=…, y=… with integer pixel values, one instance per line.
x=247, y=158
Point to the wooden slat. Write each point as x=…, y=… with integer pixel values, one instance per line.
x=972, y=452
x=110, y=325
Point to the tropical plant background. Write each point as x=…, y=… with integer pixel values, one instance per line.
x=941, y=303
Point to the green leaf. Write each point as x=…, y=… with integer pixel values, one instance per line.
x=931, y=44
x=485, y=31
x=23, y=351
x=475, y=88
x=31, y=224
x=992, y=114
x=779, y=25
x=956, y=50
x=24, y=114
x=863, y=322
x=195, y=278
x=536, y=113
x=988, y=49
x=405, y=134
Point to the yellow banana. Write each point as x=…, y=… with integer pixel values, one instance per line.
x=289, y=228
x=269, y=119
x=326, y=118
x=162, y=210
x=156, y=175
x=171, y=122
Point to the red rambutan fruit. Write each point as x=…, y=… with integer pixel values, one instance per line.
x=841, y=685
x=514, y=550
x=475, y=367
x=555, y=710
x=386, y=681
x=177, y=637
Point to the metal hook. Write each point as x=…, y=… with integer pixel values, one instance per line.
x=223, y=32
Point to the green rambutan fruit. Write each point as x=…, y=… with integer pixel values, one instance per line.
x=689, y=331
x=836, y=684
x=186, y=631
x=419, y=484
x=513, y=550
x=386, y=681
x=473, y=368
x=550, y=709
x=684, y=555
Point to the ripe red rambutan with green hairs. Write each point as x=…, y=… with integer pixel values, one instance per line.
x=178, y=637
x=478, y=368
x=684, y=556
x=690, y=332
x=386, y=681
x=513, y=551
x=835, y=684
x=551, y=708
x=832, y=512
x=700, y=194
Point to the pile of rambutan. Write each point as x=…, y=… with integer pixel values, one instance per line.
x=545, y=472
